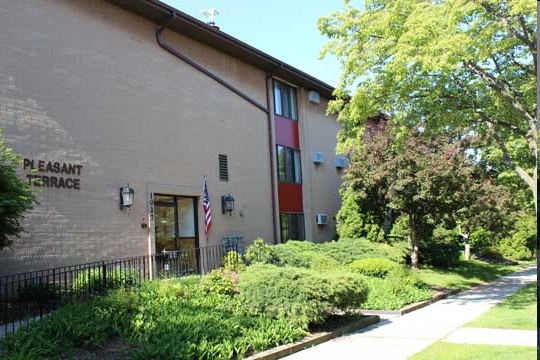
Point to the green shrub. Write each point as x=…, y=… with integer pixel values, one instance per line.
x=481, y=240
x=40, y=292
x=443, y=249
x=522, y=243
x=324, y=256
x=260, y=252
x=219, y=281
x=398, y=289
x=345, y=251
x=320, y=261
x=294, y=253
x=301, y=296
x=515, y=248
x=167, y=319
x=97, y=280
x=233, y=261
x=377, y=267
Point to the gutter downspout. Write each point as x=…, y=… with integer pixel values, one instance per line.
x=202, y=69
x=271, y=147
x=244, y=96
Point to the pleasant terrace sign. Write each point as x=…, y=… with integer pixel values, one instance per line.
x=32, y=166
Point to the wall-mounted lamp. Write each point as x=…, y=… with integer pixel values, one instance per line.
x=126, y=197
x=227, y=204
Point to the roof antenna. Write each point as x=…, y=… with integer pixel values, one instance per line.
x=211, y=14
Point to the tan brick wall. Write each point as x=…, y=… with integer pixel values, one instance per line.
x=318, y=132
x=85, y=82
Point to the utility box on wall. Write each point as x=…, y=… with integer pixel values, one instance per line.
x=314, y=97
x=322, y=219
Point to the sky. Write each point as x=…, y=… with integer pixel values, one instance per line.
x=286, y=30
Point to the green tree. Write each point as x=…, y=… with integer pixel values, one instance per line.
x=487, y=206
x=426, y=177
x=442, y=64
x=16, y=196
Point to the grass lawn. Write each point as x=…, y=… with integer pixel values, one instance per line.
x=515, y=312
x=466, y=274
x=449, y=351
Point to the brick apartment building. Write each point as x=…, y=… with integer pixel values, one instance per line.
x=101, y=95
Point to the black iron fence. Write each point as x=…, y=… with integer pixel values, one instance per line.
x=29, y=296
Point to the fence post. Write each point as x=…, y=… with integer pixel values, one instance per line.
x=104, y=267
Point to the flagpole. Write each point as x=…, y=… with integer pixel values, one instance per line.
x=207, y=211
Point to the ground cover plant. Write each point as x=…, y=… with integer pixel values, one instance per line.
x=515, y=312
x=160, y=320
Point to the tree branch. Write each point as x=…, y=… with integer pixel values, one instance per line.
x=528, y=40
x=505, y=91
x=506, y=21
x=473, y=105
x=507, y=158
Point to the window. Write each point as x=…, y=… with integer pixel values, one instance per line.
x=292, y=226
x=223, y=168
x=285, y=100
x=289, y=166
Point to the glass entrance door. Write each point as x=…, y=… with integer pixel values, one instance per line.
x=176, y=232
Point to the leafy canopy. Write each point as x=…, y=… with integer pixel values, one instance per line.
x=460, y=65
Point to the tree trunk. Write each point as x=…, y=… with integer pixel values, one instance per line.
x=465, y=236
x=414, y=252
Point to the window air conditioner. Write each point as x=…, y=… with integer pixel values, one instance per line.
x=314, y=97
x=322, y=219
x=340, y=162
x=318, y=157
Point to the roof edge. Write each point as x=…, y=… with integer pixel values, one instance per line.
x=211, y=36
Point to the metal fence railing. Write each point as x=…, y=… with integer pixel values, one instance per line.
x=29, y=296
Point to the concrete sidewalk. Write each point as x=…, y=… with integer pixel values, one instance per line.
x=400, y=337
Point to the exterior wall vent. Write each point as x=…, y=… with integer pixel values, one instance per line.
x=314, y=97
x=322, y=219
x=223, y=167
x=340, y=162
x=318, y=157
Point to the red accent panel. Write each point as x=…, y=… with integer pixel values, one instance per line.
x=287, y=132
x=290, y=197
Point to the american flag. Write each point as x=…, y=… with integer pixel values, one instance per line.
x=207, y=212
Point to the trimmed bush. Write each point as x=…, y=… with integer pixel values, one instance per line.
x=97, y=280
x=294, y=253
x=301, y=296
x=399, y=288
x=345, y=251
x=377, y=267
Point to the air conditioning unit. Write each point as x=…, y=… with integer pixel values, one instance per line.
x=314, y=97
x=322, y=219
x=318, y=157
x=340, y=162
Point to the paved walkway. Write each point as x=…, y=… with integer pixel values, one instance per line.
x=400, y=337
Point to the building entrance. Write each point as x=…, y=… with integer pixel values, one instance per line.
x=176, y=231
